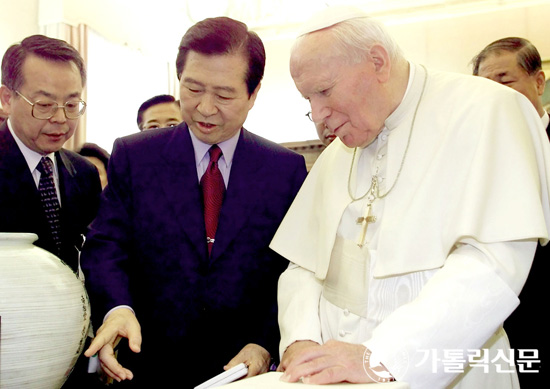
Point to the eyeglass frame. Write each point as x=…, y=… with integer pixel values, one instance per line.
x=57, y=106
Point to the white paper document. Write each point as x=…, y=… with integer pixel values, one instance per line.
x=272, y=380
x=230, y=375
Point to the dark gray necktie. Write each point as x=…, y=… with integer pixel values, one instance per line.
x=48, y=198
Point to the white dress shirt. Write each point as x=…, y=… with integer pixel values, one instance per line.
x=202, y=157
x=33, y=159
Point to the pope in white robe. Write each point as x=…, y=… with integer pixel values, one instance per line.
x=415, y=230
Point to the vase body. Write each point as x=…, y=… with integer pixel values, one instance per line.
x=44, y=315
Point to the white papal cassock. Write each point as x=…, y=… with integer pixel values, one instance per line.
x=452, y=243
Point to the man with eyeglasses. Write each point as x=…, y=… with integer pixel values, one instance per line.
x=401, y=244
x=42, y=83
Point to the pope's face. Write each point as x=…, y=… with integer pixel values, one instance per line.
x=214, y=96
x=503, y=67
x=345, y=97
x=44, y=80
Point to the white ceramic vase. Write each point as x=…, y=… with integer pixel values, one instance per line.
x=44, y=315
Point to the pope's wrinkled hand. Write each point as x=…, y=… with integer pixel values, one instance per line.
x=121, y=323
x=293, y=350
x=329, y=363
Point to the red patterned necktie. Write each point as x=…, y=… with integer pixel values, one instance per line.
x=213, y=189
x=48, y=198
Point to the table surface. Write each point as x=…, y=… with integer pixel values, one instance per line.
x=271, y=381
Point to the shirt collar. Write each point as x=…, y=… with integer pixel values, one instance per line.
x=31, y=157
x=410, y=99
x=228, y=148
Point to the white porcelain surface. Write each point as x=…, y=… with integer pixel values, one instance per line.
x=44, y=315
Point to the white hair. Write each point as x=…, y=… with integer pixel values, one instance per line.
x=355, y=37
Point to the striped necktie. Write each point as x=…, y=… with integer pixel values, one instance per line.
x=49, y=200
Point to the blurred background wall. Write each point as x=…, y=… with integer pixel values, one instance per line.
x=131, y=45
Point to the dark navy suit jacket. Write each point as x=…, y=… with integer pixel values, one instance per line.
x=147, y=249
x=20, y=208
x=525, y=327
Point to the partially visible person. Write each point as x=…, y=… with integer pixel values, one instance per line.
x=515, y=62
x=159, y=112
x=414, y=231
x=99, y=157
x=178, y=256
x=323, y=132
x=45, y=189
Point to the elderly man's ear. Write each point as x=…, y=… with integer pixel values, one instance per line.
x=380, y=58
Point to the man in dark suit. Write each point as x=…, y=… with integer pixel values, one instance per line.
x=201, y=301
x=516, y=62
x=42, y=82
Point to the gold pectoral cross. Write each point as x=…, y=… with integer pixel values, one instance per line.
x=364, y=221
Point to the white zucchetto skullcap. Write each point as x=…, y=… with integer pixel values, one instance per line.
x=329, y=17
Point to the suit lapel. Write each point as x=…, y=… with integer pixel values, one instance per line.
x=66, y=171
x=71, y=191
x=14, y=171
x=12, y=161
x=181, y=187
x=240, y=199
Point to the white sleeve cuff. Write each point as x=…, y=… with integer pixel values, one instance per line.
x=115, y=308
